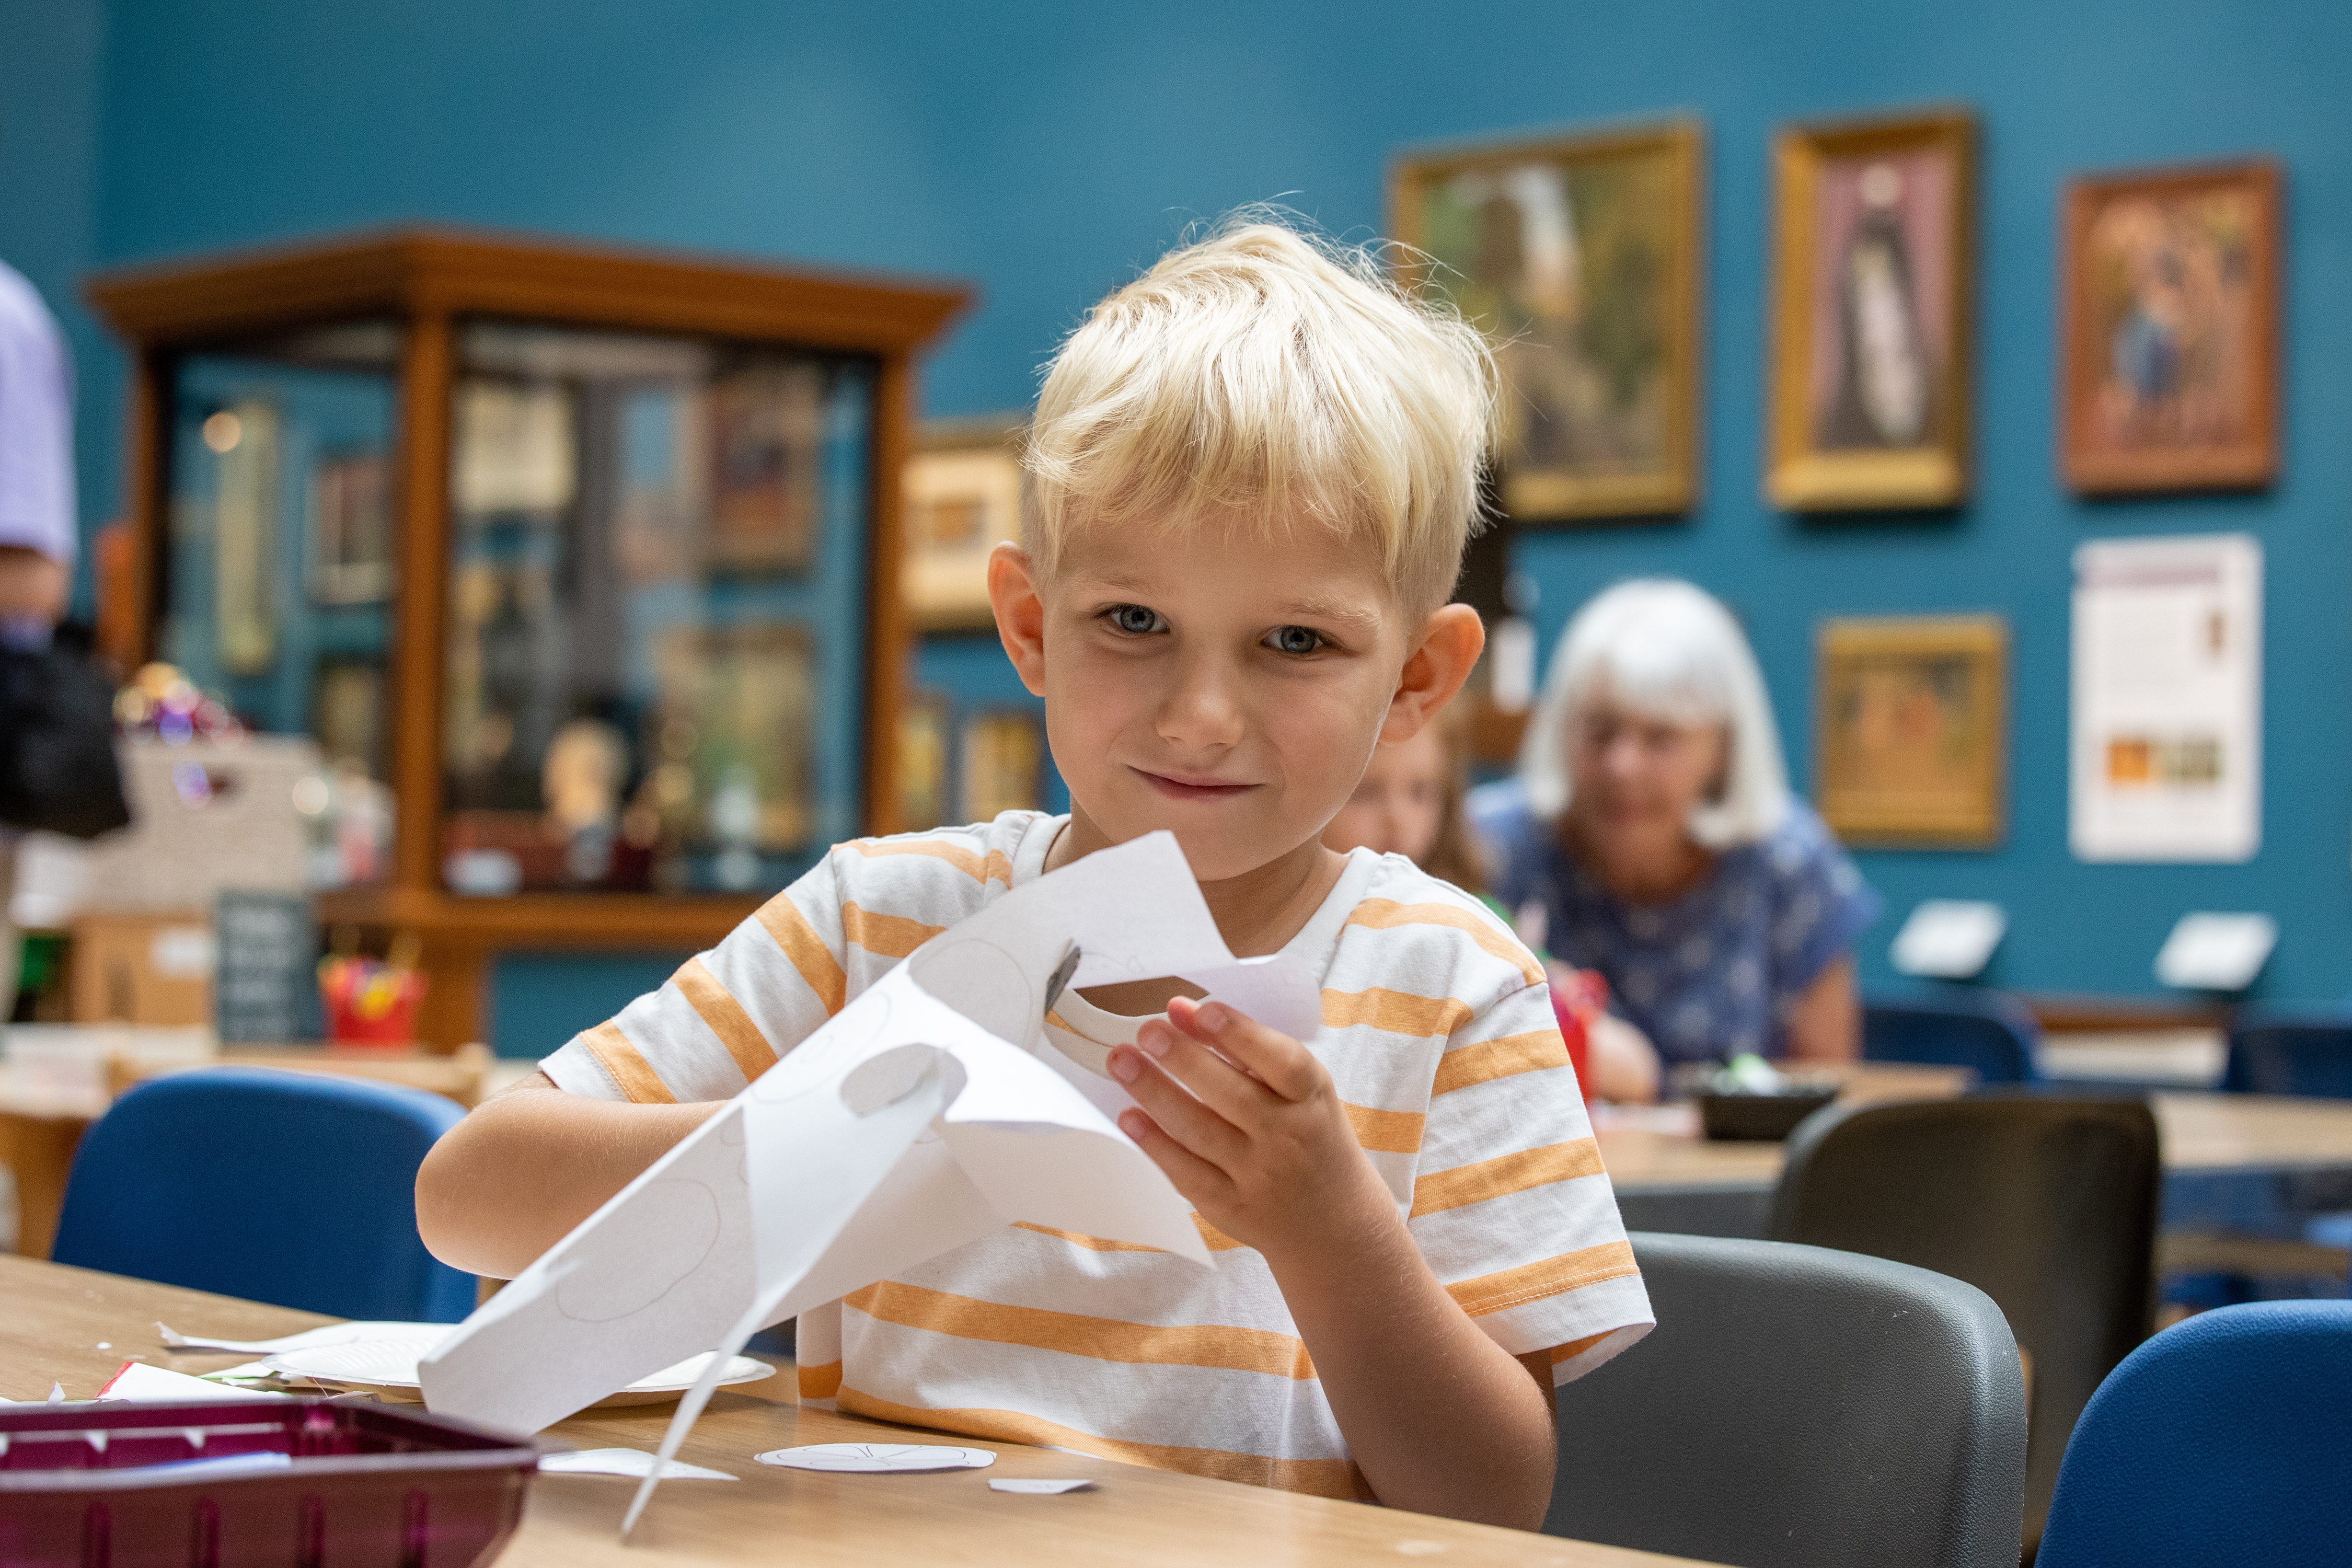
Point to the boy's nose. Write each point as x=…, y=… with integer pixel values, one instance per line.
x=1203, y=710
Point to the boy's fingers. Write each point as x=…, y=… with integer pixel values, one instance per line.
x=1230, y=1091
x=1196, y=1126
x=1194, y=1177
x=1274, y=1058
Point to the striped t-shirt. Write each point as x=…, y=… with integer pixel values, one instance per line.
x=1439, y=1035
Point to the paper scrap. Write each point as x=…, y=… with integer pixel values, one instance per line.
x=1040, y=1488
x=927, y=1114
x=328, y=1334
x=144, y=1385
x=634, y=1463
x=877, y=1458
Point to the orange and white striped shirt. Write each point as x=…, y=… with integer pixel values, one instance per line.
x=1439, y=1035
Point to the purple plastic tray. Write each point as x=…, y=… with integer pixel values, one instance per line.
x=192, y=1485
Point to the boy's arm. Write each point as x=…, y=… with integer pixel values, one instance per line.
x=1440, y=1418
x=514, y=1177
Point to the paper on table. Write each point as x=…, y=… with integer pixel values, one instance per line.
x=633, y=1463
x=912, y=1122
x=1040, y=1488
x=878, y=1459
x=144, y=1385
x=329, y=1334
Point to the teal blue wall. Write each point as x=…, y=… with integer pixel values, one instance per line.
x=1046, y=151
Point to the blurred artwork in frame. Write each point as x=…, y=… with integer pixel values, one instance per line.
x=1913, y=715
x=2169, y=319
x=351, y=529
x=924, y=746
x=962, y=499
x=1872, y=306
x=736, y=778
x=1579, y=257
x=766, y=442
x=1003, y=765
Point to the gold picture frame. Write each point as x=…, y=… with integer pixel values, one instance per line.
x=2168, y=317
x=1873, y=313
x=1911, y=730
x=1580, y=255
x=1001, y=763
x=963, y=498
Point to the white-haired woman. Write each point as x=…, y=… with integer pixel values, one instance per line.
x=1651, y=826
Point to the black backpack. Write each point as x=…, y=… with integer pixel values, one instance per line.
x=58, y=769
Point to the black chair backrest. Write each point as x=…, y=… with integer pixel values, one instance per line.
x=2046, y=1204
x=1987, y=1031
x=2271, y=1055
x=1799, y=1408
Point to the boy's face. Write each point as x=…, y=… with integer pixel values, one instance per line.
x=1229, y=689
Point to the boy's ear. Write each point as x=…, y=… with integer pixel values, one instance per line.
x=1020, y=612
x=1451, y=641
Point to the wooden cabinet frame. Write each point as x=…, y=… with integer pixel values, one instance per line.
x=429, y=281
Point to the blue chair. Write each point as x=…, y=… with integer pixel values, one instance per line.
x=1987, y=1030
x=2223, y=1439
x=2272, y=1054
x=293, y=1188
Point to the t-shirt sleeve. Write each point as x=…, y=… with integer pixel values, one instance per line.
x=728, y=1014
x=1510, y=1205
x=1820, y=906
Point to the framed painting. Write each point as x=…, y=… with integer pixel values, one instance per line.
x=1003, y=765
x=923, y=757
x=737, y=714
x=1911, y=716
x=767, y=439
x=962, y=499
x=1873, y=308
x=1580, y=257
x=351, y=529
x=2168, y=318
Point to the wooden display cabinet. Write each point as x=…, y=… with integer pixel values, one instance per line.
x=581, y=566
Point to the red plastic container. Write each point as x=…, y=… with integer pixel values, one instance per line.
x=362, y=1486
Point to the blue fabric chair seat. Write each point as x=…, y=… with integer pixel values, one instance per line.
x=298, y=1189
x=2276, y=1054
x=2225, y=1439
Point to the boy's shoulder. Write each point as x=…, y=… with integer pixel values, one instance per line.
x=970, y=863
x=1407, y=931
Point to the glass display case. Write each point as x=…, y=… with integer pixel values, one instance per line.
x=573, y=563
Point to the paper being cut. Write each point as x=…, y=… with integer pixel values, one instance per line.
x=929, y=1113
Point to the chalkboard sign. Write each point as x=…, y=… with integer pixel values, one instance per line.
x=265, y=989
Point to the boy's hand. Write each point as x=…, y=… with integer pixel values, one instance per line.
x=1265, y=1151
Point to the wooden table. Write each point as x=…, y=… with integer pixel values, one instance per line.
x=53, y=1318
x=2200, y=1132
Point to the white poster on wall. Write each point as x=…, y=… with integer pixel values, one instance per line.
x=2168, y=699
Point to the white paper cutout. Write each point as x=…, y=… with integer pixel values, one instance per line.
x=914, y=1121
x=1040, y=1488
x=632, y=1463
x=331, y=1334
x=878, y=1459
x=141, y=1383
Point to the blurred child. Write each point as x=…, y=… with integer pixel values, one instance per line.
x=1409, y=803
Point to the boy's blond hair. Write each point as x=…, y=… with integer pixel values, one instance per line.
x=1258, y=378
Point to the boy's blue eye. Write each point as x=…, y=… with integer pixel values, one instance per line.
x=1136, y=620
x=1296, y=640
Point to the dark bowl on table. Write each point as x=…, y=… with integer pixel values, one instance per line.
x=1754, y=1118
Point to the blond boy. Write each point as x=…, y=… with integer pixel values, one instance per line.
x=1252, y=472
